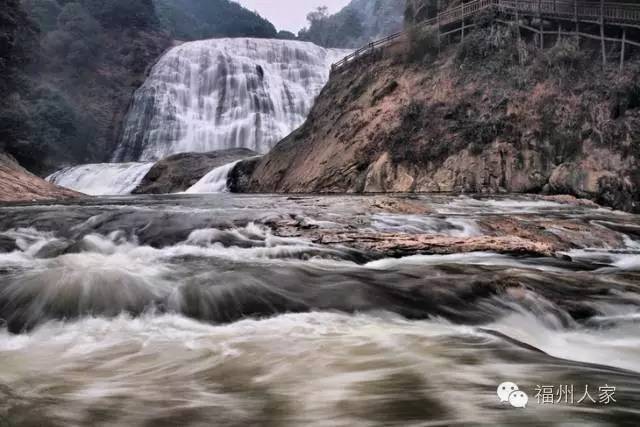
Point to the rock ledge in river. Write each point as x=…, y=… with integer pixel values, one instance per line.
x=179, y=172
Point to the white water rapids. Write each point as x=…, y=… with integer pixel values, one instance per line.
x=232, y=310
x=224, y=93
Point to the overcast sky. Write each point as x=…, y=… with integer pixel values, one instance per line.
x=290, y=15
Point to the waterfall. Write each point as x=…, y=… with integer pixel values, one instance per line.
x=224, y=93
x=215, y=181
x=103, y=179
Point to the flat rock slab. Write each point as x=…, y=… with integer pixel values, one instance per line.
x=391, y=244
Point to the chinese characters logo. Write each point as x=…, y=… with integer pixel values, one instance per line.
x=567, y=393
x=560, y=394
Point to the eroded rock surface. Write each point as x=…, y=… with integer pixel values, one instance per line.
x=19, y=185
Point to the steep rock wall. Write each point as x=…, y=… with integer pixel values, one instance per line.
x=477, y=118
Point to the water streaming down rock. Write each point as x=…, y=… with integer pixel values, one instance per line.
x=102, y=179
x=215, y=181
x=224, y=93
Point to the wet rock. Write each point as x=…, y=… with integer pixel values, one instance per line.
x=7, y=244
x=54, y=249
x=571, y=200
x=238, y=180
x=395, y=245
x=179, y=172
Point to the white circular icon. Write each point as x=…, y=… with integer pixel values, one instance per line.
x=518, y=399
x=505, y=389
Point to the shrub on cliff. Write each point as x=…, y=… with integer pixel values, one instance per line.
x=494, y=49
x=564, y=60
x=423, y=45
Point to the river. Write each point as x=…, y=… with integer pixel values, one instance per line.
x=237, y=310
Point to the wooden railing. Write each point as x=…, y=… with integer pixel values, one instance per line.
x=582, y=11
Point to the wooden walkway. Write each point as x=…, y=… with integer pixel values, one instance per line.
x=619, y=14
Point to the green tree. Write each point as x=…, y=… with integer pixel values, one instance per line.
x=123, y=13
x=76, y=40
x=44, y=12
x=76, y=20
x=200, y=19
x=286, y=35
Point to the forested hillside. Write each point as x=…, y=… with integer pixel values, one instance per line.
x=203, y=19
x=357, y=24
x=69, y=68
x=17, y=41
x=75, y=65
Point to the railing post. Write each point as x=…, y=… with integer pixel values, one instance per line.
x=624, y=40
x=575, y=16
x=463, y=16
x=604, y=52
x=541, y=26
x=438, y=29
x=518, y=21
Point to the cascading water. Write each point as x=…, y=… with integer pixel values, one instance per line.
x=224, y=93
x=213, y=182
x=102, y=179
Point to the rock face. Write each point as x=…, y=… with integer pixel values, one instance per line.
x=240, y=176
x=179, y=172
x=486, y=116
x=18, y=185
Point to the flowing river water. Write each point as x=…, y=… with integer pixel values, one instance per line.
x=227, y=310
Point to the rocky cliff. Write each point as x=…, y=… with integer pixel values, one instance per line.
x=489, y=115
x=19, y=185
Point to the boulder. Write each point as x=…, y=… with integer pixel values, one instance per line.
x=177, y=173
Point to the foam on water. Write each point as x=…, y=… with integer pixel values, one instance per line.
x=171, y=319
x=617, y=346
x=450, y=226
x=102, y=179
x=350, y=366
